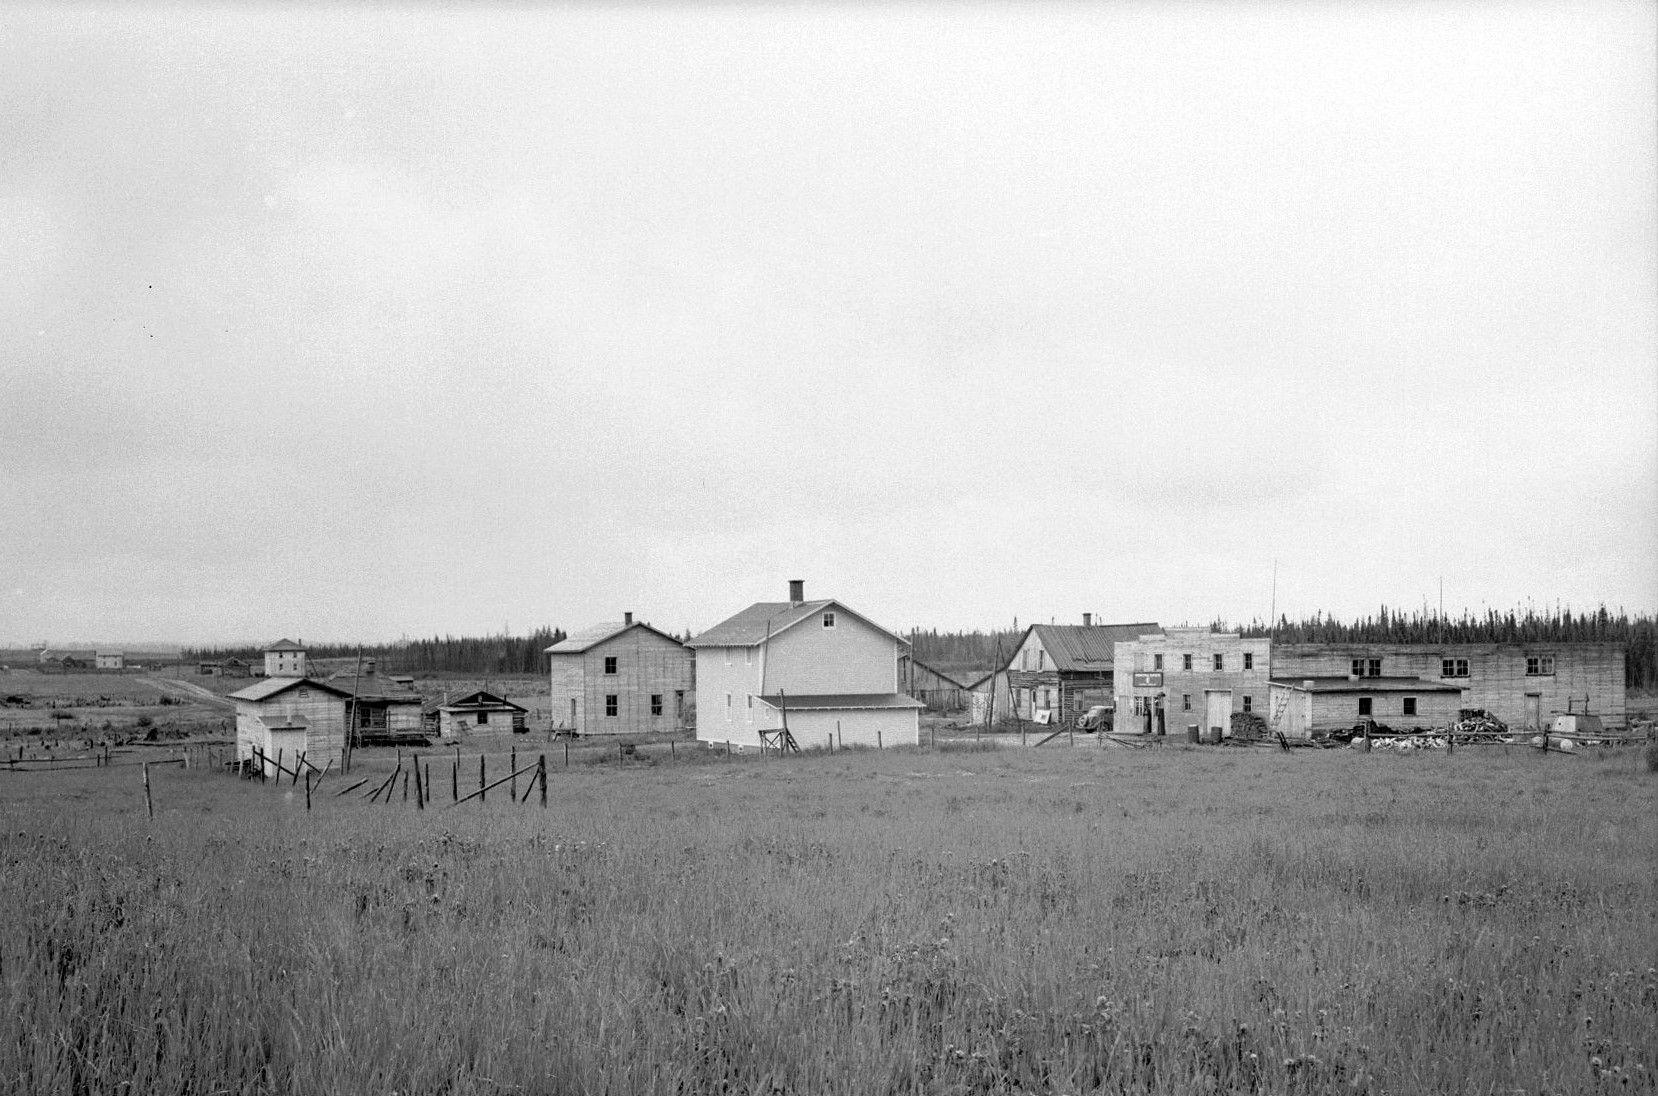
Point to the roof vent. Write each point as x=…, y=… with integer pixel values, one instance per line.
x=1087, y=620
x=797, y=590
x=627, y=618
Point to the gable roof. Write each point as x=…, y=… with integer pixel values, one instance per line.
x=270, y=686
x=592, y=636
x=481, y=699
x=764, y=619
x=373, y=687
x=284, y=645
x=1084, y=646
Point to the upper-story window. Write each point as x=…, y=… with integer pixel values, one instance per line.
x=1220, y=662
x=1537, y=665
x=748, y=656
x=1157, y=662
x=1371, y=667
x=609, y=664
x=1185, y=662
x=1041, y=660
x=1249, y=661
x=828, y=620
x=1453, y=667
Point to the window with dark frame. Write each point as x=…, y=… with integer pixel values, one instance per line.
x=1249, y=703
x=656, y=703
x=1410, y=705
x=610, y=664
x=1249, y=662
x=483, y=718
x=828, y=620
x=1185, y=662
x=1157, y=662
x=1220, y=662
x=1539, y=665
x=610, y=705
x=1453, y=667
x=1185, y=702
x=1375, y=668
x=1364, y=706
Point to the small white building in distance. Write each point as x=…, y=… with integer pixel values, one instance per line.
x=111, y=660
x=824, y=671
x=284, y=658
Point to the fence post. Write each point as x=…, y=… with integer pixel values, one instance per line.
x=149, y=804
x=672, y=754
x=483, y=790
x=455, y=779
x=512, y=786
x=541, y=771
x=420, y=792
x=839, y=741
x=307, y=789
x=567, y=753
x=878, y=745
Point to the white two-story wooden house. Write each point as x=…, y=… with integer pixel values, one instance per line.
x=823, y=670
x=620, y=678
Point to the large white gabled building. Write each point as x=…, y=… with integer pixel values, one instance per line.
x=823, y=670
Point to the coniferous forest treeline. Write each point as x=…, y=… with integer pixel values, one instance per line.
x=967, y=654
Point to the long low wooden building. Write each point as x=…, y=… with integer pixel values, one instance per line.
x=1523, y=684
x=1303, y=708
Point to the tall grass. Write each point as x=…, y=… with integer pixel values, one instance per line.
x=916, y=922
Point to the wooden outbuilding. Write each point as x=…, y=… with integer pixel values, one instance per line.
x=937, y=690
x=295, y=715
x=1058, y=669
x=1305, y=708
x=479, y=711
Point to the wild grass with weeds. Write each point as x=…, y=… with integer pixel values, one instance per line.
x=1186, y=921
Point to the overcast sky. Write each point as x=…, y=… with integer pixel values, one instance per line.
x=356, y=322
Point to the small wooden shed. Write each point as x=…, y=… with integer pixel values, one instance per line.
x=479, y=710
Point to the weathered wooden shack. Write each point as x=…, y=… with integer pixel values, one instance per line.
x=381, y=709
x=479, y=710
x=937, y=690
x=294, y=715
x=1303, y=708
x=621, y=678
x=1174, y=679
x=1523, y=684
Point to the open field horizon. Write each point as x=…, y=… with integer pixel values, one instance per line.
x=930, y=921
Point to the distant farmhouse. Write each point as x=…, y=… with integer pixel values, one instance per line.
x=1059, y=670
x=620, y=678
x=111, y=660
x=819, y=669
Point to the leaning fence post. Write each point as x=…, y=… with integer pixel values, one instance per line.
x=149, y=804
x=483, y=790
x=541, y=770
x=512, y=788
x=455, y=781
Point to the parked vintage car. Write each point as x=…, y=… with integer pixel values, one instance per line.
x=1097, y=718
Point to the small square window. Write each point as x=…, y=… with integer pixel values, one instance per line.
x=1375, y=667
x=828, y=620
x=1220, y=662
x=1249, y=701
x=1185, y=662
x=1410, y=705
x=1157, y=662
x=1364, y=705
x=1249, y=664
x=610, y=705
x=656, y=703
x=483, y=718
x=1185, y=702
x=610, y=664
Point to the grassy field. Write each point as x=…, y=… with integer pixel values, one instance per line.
x=943, y=921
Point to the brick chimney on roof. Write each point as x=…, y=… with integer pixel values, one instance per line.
x=797, y=591
x=627, y=618
x=1087, y=620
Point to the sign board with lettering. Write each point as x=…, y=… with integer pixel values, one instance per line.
x=1148, y=681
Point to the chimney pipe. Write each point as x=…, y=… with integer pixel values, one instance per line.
x=1087, y=620
x=797, y=590
x=627, y=618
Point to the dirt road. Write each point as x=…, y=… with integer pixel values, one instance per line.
x=184, y=690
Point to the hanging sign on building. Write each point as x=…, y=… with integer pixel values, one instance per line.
x=1148, y=681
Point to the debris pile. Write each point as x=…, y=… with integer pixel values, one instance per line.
x=1477, y=721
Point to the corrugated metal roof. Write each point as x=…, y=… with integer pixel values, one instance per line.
x=592, y=636
x=1087, y=646
x=270, y=686
x=751, y=627
x=830, y=701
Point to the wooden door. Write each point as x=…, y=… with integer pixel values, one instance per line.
x=1217, y=711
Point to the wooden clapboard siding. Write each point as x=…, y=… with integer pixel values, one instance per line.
x=322, y=710
x=851, y=657
x=647, y=664
x=1497, y=680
